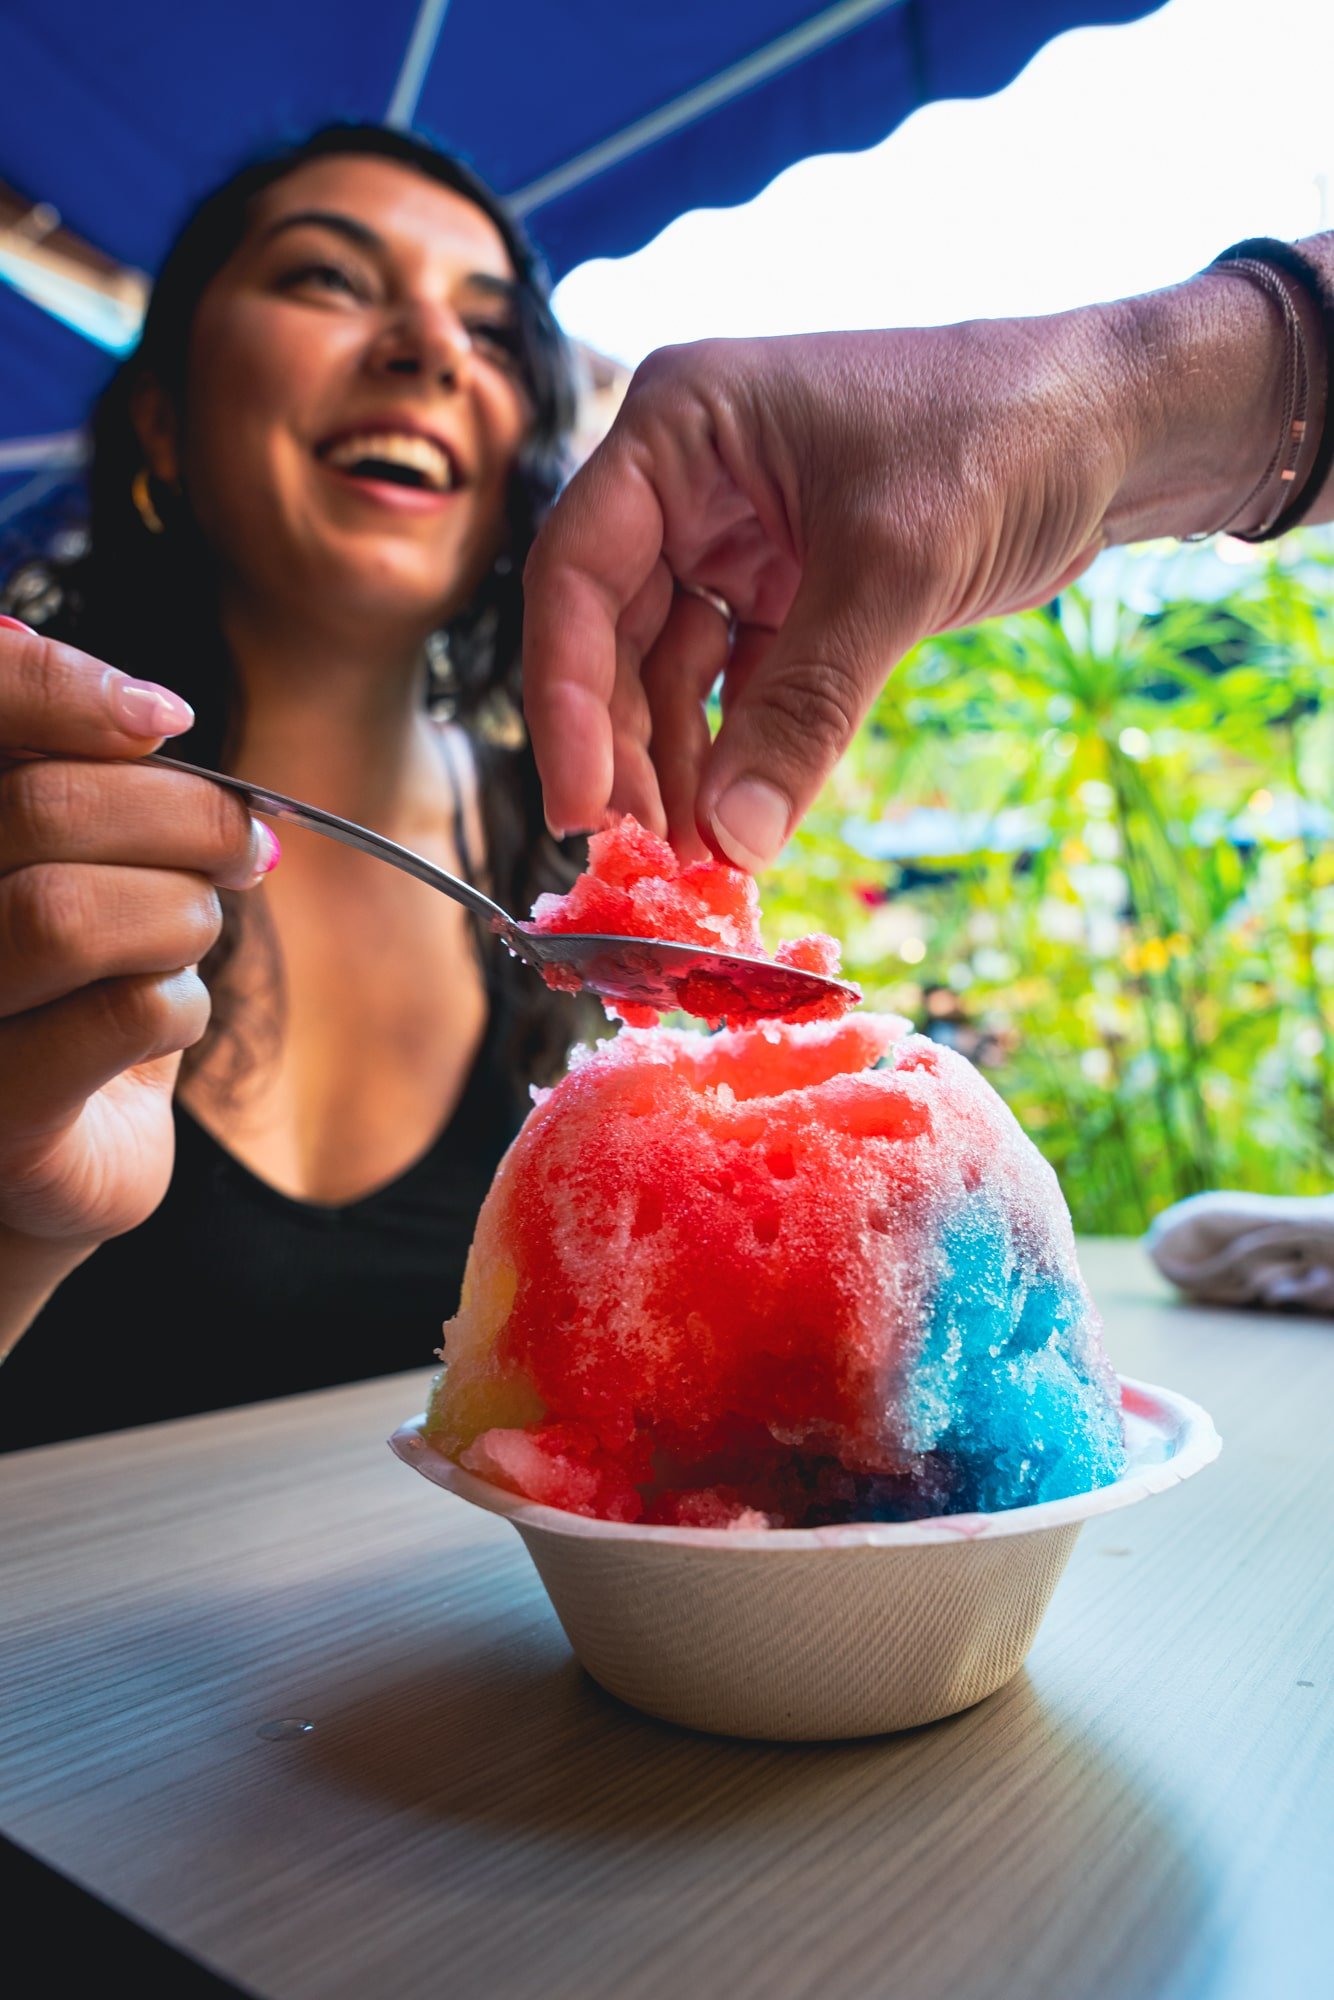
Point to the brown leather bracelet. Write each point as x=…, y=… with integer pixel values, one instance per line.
x=1285, y=259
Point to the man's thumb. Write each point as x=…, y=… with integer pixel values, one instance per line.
x=787, y=724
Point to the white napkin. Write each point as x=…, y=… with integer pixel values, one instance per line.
x=1249, y=1249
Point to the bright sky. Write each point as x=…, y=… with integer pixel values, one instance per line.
x=1121, y=159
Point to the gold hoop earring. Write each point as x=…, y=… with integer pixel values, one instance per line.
x=142, y=496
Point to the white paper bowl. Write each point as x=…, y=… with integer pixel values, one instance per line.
x=816, y=1633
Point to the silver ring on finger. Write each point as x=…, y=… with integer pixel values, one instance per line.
x=712, y=598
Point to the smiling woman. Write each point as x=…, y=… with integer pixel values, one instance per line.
x=313, y=488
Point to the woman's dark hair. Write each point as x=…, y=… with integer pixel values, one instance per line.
x=148, y=602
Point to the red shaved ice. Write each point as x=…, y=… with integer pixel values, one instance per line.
x=796, y=1274
x=817, y=953
x=635, y=887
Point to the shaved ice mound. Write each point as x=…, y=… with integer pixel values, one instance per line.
x=784, y=1275
x=635, y=887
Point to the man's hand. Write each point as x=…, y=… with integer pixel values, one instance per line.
x=845, y=494
x=848, y=494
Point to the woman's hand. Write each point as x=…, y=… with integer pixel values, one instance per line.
x=108, y=875
x=847, y=494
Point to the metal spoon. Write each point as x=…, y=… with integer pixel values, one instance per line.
x=643, y=972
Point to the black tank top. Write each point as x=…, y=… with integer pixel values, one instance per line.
x=231, y=1292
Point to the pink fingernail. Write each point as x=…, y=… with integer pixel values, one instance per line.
x=142, y=708
x=270, y=850
x=17, y=625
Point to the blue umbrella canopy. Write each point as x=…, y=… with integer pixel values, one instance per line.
x=601, y=121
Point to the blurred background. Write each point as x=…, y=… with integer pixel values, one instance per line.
x=1093, y=846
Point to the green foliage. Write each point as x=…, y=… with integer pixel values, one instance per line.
x=1136, y=943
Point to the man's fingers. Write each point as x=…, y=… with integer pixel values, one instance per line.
x=54, y=699
x=751, y=647
x=688, y=658
x=634, y=779
x=53, y=1060
x=595, y=554
x=794, y=712
x=56, y=809
x=569, y=672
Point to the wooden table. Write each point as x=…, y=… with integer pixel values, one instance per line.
x=1146, y=1813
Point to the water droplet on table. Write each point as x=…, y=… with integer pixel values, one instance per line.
x=285, y=1726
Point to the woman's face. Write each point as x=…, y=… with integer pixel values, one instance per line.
x=354, y=401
